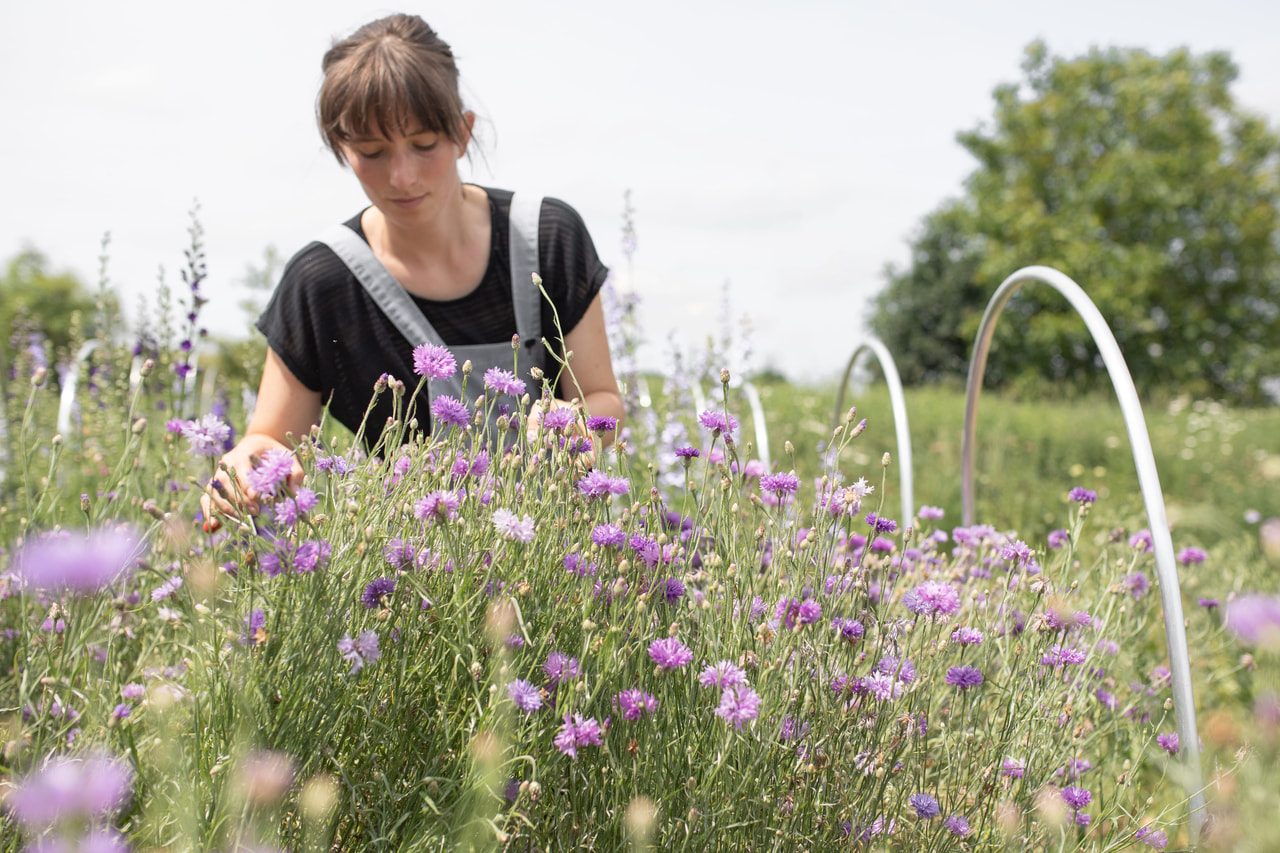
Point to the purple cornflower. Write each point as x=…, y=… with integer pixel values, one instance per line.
x=311, y=555
x=881, y=525
x=1059, y=655
x=438, y=504
x=882, y=686
x=434, y=361
x=135, y=691
x=850, y=630
x=1013, y=767
x=687, y=453
x=1254, y=619
x=780, y=484
x=608, y=535
x=1191, y=556
x=272, y=472
x=560, y=669
x=1081, y=495
x=76, y=562
x=671, y=590
x=598, y=484
x=578, y=731
x=254, y=625
x=957, y=825
x=1077, y=798
x=932, y=598
x=166, y=589
x=360, y=651
x=964, y=677
x=1156, y=839
x=966, y=636
x=723, y=674
x=931, y=513
x=809, y=612
x=1137, y=584
x=634, y=704
x=1168, y=742
x=926, y=807
x=669, y=653
x=450, y=411
x=902, y=669
x=602, y=423
x=1058, y=538
x=559, y=419
x=525, y=696
x=91, y=786
x=718, y=423
x=510, y=526
x=336, y=465
x=739, y=705
x=206, y=436
x=503, y=381
x=375, y=591
x=1210, y=603
x=1141, y=541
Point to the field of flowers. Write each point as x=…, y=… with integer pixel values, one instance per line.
x=444, y=644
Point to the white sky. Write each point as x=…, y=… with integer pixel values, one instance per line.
x=788, y=148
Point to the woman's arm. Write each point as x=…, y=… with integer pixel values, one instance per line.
x=285, y=406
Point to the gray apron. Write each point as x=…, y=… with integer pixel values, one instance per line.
x=400, y=308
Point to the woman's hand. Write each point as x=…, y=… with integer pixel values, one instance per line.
x=285, y=407
x=229, y=492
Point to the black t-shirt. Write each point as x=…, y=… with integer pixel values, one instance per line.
x=336, y=340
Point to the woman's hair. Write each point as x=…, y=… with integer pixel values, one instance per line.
x=394, y=75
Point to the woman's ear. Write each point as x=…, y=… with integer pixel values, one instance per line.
x=468, y=125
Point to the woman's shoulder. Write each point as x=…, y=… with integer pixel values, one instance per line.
x=316, y=265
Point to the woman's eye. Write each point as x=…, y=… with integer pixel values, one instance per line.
x=369, y=155
x=425, y=148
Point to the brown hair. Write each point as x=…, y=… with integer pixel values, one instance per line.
x=393, y=75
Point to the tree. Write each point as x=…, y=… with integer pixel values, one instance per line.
x=1139, y=177
x=32, y=296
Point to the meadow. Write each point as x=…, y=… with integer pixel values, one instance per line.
x=439, y=644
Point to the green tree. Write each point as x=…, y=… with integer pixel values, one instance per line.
x=1139, y=177
x=36, y=298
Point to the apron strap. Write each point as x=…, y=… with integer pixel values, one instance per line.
x=526, y=209
x=393, y=299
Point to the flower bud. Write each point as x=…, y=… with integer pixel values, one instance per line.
x=857, y=431
x=537, y=280
x=139, y=426
x=724, y=376
x=466, y=367
x=148, y=366
x=884, y=460
x=39, y=376
x=57, y=439
x=515, y=342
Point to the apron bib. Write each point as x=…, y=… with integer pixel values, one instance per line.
x=401, y=310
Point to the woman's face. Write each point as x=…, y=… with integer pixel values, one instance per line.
x=406, y=177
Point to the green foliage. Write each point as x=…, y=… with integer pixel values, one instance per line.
x=34, y=298
x=1139, y=177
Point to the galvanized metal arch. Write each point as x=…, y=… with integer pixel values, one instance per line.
x=68, y=399
x=1148, y=479
x=898, y=403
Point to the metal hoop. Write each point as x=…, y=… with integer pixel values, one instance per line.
x=1149, y=480
x=898, y=403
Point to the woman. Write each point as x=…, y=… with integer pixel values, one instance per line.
x=430, y=260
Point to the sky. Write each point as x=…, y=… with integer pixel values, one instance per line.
x=778, y=155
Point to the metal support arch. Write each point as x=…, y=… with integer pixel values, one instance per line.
x=901, y=427
x=68, y=399
x=1148, y=479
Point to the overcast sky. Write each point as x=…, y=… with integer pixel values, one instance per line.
x=787, y=148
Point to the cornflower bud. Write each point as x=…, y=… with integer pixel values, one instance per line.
x=39, y=376
x=537, y=280
x=724, y=376
x=139, y=426
x=57, y=439
x=857, y=431
x=515, y=342
x=536, y=373
x=466, y=367
x=884, y=460
x=84, y=502
x=147, y=367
